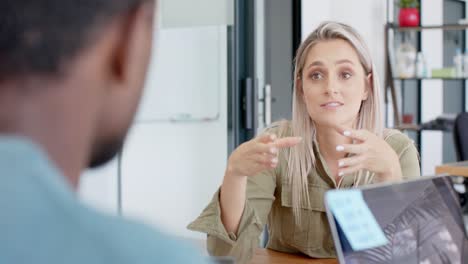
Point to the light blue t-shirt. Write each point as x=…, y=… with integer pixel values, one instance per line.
x=42, y=221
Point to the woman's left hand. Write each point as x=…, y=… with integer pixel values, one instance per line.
x=370, y=153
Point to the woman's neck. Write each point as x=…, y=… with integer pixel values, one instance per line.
x=328, y=138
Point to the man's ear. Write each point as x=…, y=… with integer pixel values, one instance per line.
x=120, y=53
x=369, y=86
x=132, y=29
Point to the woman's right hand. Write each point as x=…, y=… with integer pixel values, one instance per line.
x=258, y=154
x=249, y=159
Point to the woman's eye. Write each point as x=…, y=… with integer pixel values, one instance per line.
x=316, y=76
x=346, y=75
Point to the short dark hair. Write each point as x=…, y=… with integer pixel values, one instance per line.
x=38, y=36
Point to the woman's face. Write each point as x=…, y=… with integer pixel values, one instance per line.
x=334, y=83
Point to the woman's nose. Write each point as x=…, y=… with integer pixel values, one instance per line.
x=332, y=86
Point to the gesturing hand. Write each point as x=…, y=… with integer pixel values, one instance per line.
x=370, y=152
x=258, y=154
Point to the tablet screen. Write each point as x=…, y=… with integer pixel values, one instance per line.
x=422, y=221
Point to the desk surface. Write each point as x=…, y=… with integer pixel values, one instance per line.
x=274, y=257
x=456, y=169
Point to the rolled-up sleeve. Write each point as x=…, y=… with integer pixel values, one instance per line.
x=409, y=162
x=407, y=154
x=259, y=198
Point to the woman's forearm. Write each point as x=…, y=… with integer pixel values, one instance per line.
x=232, y=200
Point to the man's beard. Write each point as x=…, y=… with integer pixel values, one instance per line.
x=105, y=152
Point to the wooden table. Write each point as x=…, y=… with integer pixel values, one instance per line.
x=455, y=169
x=263, y=256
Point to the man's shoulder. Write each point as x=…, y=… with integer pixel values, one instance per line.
x=134, y=242
x=55, y=233
x=43, y=221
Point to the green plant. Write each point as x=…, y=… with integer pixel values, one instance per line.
x=408, y=3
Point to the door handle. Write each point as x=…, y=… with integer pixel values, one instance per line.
x=267, y=105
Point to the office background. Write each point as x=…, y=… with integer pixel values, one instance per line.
x=195, y=109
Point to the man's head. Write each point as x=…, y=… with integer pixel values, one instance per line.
x=98, y=49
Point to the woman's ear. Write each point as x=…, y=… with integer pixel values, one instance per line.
x=369, y=86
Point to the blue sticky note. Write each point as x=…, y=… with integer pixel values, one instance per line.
x=355, y=219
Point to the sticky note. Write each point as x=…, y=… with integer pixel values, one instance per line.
x=355, y=219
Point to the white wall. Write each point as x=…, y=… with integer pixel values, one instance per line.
x=99, y=187
x=188, y=13
x=432, y=90
x=170, y=170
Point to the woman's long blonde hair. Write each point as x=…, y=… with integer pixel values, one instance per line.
x=301, y=159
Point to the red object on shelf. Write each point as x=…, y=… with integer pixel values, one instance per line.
x=407, y=118
x=409, y=17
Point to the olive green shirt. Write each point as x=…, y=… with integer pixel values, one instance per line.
x=269, y=202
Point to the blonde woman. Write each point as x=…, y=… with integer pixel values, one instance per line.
x=334, y=140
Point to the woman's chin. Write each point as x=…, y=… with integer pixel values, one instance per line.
x=332, y=122
x=327, y=123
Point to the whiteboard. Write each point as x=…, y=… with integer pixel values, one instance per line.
x=184, y=77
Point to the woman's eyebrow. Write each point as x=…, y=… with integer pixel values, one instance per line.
x=344, y=61
x=319, y=63
x=315, y=63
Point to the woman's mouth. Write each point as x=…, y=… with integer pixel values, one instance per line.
x=331, y=105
